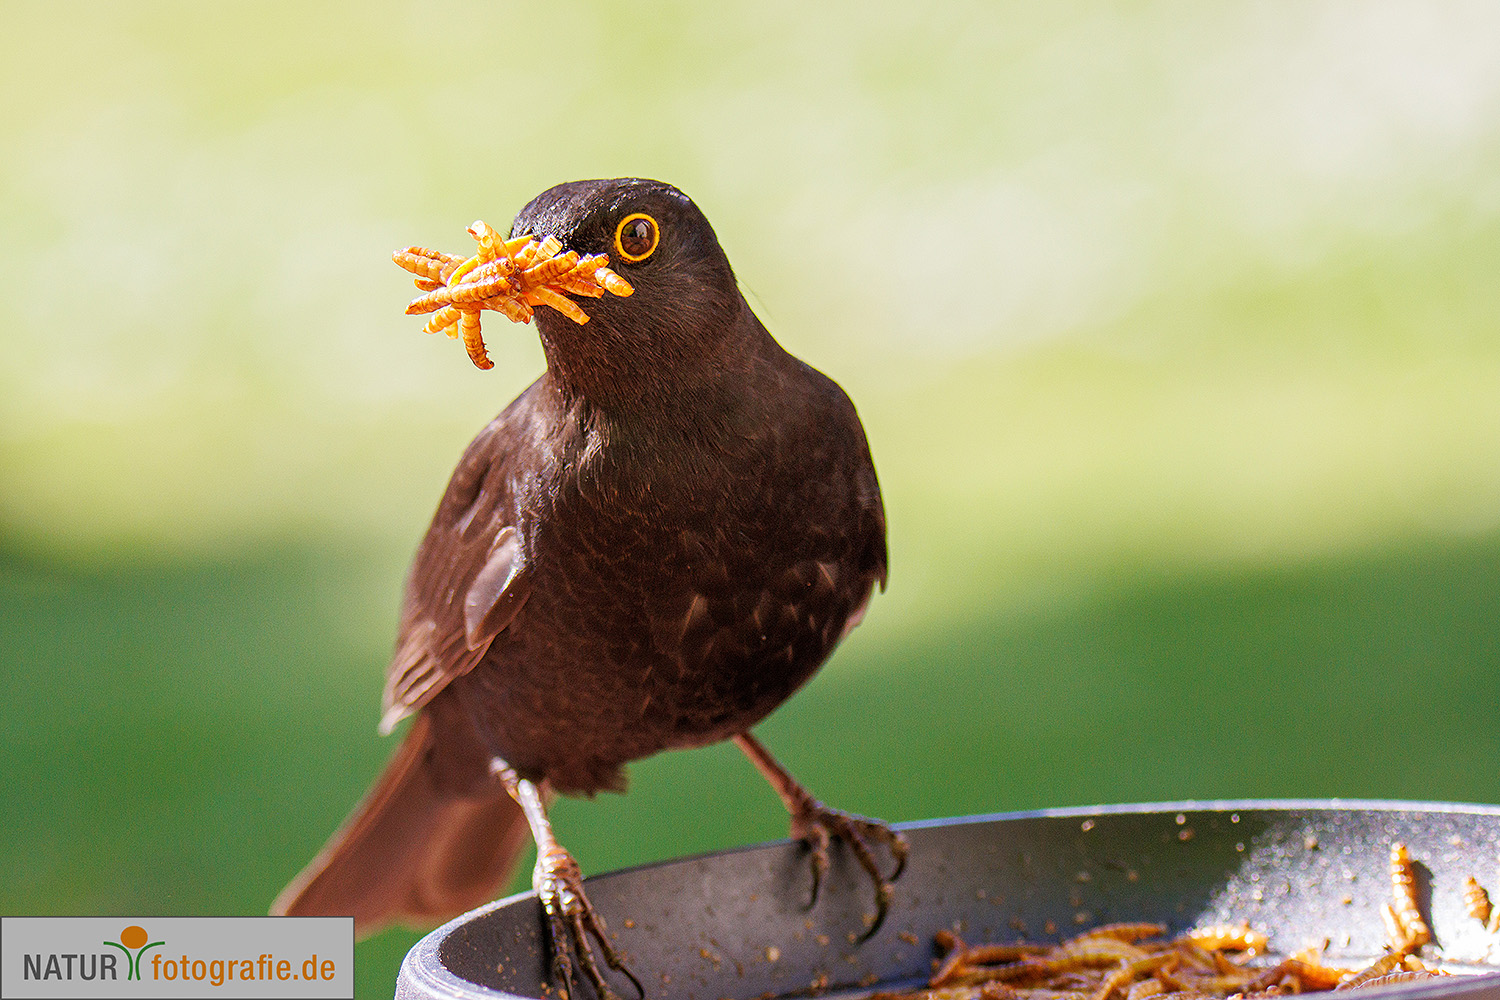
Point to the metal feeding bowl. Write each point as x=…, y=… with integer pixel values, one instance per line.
x=735, y=923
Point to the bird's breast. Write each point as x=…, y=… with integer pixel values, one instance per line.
x=672, y=610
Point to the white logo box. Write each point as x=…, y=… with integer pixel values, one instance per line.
x=87, y=957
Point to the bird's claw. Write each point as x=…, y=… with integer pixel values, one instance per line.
x=571, y=923
x=816, y=825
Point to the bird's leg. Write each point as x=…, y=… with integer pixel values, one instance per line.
x=558, y=881
x=571, y=919
x=815, y=824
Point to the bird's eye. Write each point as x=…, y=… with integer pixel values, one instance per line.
x=636, y=237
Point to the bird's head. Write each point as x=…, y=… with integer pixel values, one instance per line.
x=683, y=322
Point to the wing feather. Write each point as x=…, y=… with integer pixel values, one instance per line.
x=469, y=579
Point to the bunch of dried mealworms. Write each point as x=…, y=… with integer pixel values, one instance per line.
x=508, y=276
x=1121, y=962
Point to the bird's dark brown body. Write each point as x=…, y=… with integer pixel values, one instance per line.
x=684, y=579
x=651, y=548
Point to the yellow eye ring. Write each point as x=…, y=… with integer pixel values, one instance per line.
x=636, y=237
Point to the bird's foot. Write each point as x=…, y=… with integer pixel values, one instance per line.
x=571, y=922
x=815, y=824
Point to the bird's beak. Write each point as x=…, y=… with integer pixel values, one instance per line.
x=508, y=276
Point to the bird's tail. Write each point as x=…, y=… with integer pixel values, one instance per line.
x=412, y=852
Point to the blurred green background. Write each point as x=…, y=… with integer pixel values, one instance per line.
x=1173, y=327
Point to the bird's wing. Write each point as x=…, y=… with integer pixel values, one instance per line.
x=860, y=471
x=470, y=576
x=872, y=518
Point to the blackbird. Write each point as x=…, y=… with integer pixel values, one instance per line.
x=651, y=548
